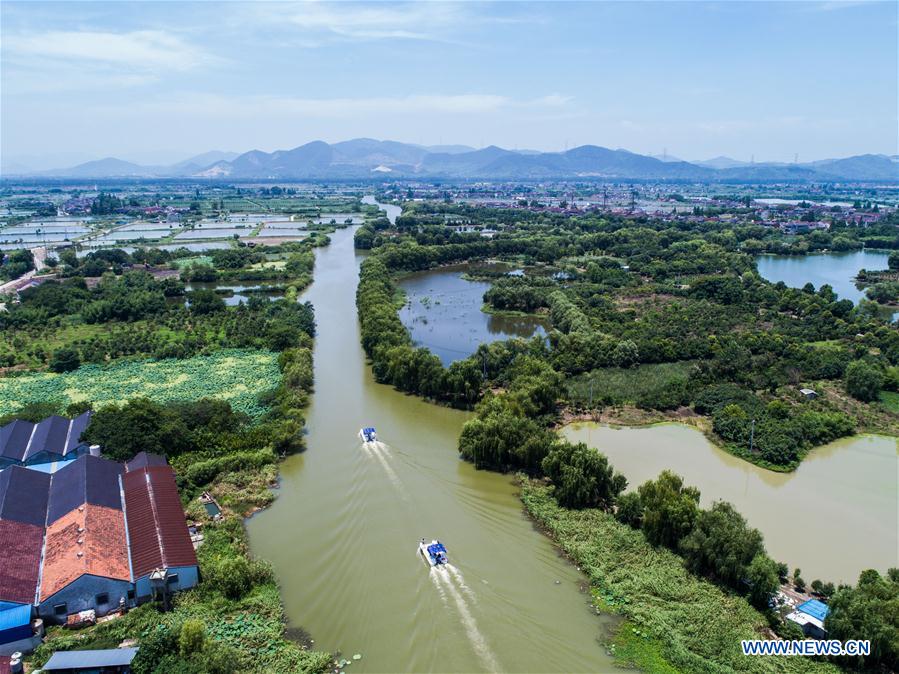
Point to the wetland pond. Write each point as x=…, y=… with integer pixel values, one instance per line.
x=833, y=517
x=443, y=313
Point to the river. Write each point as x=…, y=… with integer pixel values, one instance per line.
x=833, y=517
x=343, y=532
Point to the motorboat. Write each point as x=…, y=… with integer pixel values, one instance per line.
x=434, y=553
x=368, y=434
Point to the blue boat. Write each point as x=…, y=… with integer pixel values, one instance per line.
x=434, y=553
x=368, y=434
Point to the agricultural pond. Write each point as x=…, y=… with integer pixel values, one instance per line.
x=343, y=533
x=443, y=313
x=233, y=295
x=833, y=517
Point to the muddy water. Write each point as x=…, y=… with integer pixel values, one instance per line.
x=343, y=533
x=833, y=517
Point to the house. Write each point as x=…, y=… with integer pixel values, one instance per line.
x=52, y=439
x=89, y=536
x=810, y=616
x=160, y=541
x=109, y=661
x=808, y=393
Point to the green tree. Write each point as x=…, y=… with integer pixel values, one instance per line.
x=629, y=509
x=669, y=509
x=582, y=476
x=721, y=544
x=870, y=611
x=65, y=359
x=192, y=637
x=863, y=381
x=764, y=581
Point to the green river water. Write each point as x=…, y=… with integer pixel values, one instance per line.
x=343, y=533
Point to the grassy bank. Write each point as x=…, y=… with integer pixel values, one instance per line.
x=674, y=620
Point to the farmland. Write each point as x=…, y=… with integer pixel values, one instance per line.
x=235, y=375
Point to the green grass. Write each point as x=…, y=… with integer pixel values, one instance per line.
x=620, y=386
x=675, y=621
x=183, y=262
x=235, y=375
x=890, y=400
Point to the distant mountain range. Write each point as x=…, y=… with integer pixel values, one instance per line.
x=367, y=158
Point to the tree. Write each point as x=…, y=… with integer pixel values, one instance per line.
x=798, y=582
x=629, y=510
x=762, y=576
x=863, y=381
x=721, y=544
x=870, y=611
x=65, y=359
x=669, y=509
x=893, y=260
x=205, y=301
x=582, y=476
x=138, y=425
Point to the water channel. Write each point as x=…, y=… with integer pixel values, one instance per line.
x=343, y=533
x=833, y=517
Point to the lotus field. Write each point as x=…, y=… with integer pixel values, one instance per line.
x=235, y=375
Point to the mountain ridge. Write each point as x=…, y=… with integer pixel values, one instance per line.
x=361, y=158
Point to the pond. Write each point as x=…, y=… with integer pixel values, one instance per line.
x=235, y=294
x=836, y=269
x=833, y=517
x=443, y=313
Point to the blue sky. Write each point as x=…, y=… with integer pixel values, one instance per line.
x=160, y=81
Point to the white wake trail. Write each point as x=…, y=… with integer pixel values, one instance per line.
x=460, y=581
x=375, y=451
x=477, y=639
x=434, y=572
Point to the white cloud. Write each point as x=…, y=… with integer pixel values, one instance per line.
x=285, y=106
x=143, y=50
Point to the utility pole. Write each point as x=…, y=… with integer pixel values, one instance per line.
x=752, y=437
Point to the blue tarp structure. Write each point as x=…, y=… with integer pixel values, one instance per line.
x=368, y=433
x=814, y=608
x=15, y=624
x=93, y=660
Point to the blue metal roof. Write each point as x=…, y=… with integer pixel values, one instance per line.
x=814, y=608
x=15, y=617
x=112, y=657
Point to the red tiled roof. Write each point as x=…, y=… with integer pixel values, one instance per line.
x=20, y=559
x=4, y=664
x=157, y=528
x=89, y=539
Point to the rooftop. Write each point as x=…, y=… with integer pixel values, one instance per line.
x=21, y=440
x=113, y=657
x=156, y=527
x=20, y=560
x=89, y=539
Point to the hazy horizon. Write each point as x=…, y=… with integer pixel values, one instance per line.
x=156, y=83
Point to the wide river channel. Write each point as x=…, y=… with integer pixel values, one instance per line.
x=343, y=533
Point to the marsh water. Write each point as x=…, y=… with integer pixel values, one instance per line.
x=833, y=517
x=836, y=269
x=443, y=312
x=343, y=532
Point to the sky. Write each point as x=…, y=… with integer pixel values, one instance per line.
x=157, y=82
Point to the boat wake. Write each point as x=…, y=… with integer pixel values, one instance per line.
x=460, y=582
x=381, y=452
x=452, y=586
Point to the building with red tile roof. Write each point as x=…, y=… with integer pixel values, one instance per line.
x=20, y=561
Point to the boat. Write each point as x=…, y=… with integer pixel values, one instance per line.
x=368, y=434
x=434, y=553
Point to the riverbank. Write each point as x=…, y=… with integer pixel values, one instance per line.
x=674, y=621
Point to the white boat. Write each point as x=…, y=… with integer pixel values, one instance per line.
x=368, y=434
x=434, y=553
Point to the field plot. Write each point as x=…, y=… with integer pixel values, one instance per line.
x=235, y=375
x=213, y=233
